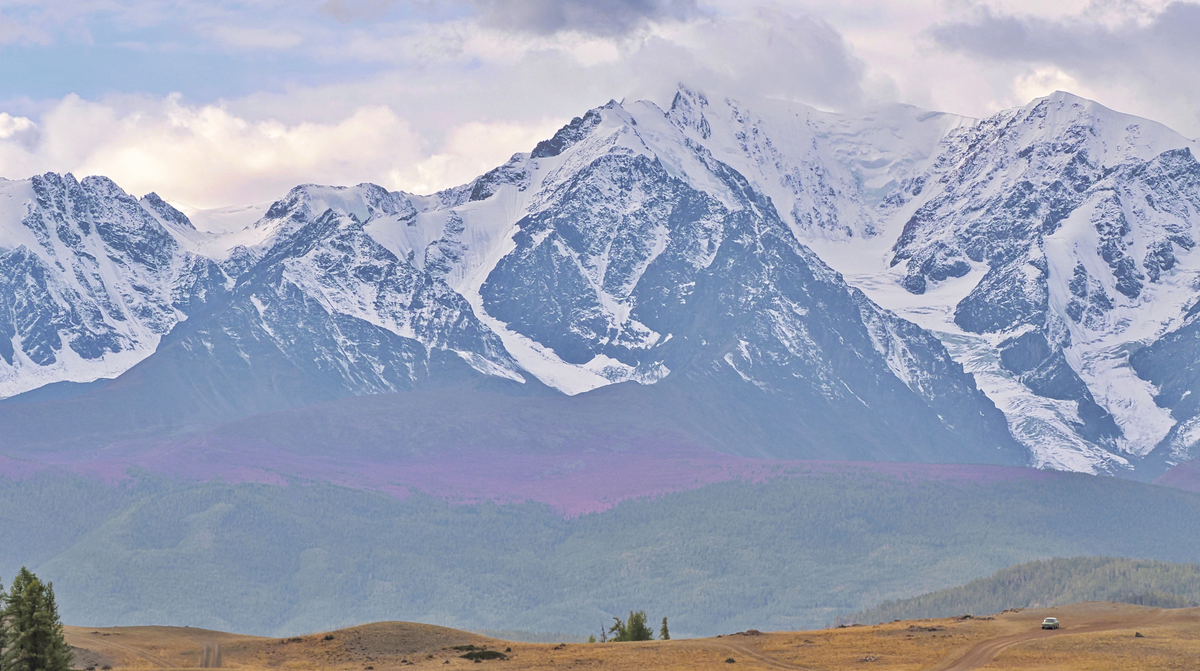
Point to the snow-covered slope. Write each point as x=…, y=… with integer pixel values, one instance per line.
x=1045, y=244
x=921, y=278
x=824, y=171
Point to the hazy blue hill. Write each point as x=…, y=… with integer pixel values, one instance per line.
x=1053, y=582
x=791, y=553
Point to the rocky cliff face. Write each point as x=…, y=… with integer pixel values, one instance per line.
x=902, y=285
x=90, y=279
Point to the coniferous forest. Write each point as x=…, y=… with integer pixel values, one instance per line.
x=790, y=553
x=1053, y=582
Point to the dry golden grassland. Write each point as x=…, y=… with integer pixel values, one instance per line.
x=1095, y=636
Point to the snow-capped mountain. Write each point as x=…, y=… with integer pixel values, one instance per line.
x=1046, y=244
x=897, y=285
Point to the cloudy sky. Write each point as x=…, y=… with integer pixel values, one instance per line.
x=220, y=102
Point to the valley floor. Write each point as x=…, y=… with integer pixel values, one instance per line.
x=1094, y=636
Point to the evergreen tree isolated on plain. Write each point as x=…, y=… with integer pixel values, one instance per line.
x=664, y=634
x=3, y=625
x=633, y=629
x=33, y=635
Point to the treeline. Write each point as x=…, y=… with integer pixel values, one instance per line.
x=1052, y=582
x=31, y=634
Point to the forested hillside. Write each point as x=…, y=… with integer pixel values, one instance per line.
x=790, y=553
x=1053, y=582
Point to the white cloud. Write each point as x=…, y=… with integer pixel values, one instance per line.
x=1134, y=56
x=1044, y=81
x=13, y=31
x=416, y=96
x=767, y=53
x=469, y=97
x=449, y=74
x=12, y=125
x=469, y=151
x=205, y=156
x=242, y=37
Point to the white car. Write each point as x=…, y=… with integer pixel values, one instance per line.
x=1050, y=623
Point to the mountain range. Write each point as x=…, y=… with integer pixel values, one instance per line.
x=714, y=279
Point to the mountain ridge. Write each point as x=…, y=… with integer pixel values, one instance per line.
x=724, y=251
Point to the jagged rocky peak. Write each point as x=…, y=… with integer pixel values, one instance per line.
x=790, y=152
x=517, y=172
x=90, y=280
x=567, y=136
x=68, y=212
x=513, y=173
x=687, y=111
x=166, y=212
x=363, y=300
x=308, y=202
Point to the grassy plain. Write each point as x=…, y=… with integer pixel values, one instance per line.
x=1096, y=636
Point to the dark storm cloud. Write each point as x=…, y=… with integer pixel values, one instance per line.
x=769, y=54
x=1156, y=57
x=595, y=17
x=350, y=10
x=606, y=18
x=1165, y=48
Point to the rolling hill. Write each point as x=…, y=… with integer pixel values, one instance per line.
x=1053, y=582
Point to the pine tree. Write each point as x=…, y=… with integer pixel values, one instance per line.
x=664, y=633
x=3, y=625
x=620, y=633
x=633, y=629
x=33, y=640
x=60, y=655
x=638, y=629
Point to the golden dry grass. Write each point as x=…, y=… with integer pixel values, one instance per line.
x=1095, y=636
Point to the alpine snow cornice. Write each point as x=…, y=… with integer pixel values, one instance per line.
x=898, y=285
